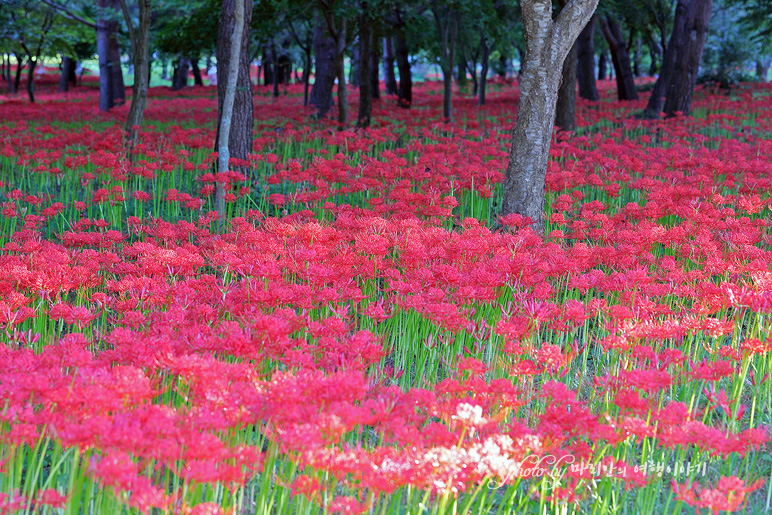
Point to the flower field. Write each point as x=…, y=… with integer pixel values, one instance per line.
x=361, y=332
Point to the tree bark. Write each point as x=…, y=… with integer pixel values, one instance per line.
x=565, y=116
x=484, y=70
x=239, y=22
x=585, y=65
x=548, y=44
x=306, y=76
x=340, y=42
x=276, y=69
x=325, y=68
x=405, y=93
x=678, y=97
x=106, y=92
x=388, y=66
x=242, y=120
x=119, y=89
x=762, y=69
x=365, y=56
x=181, y=72
x=17, y=79
x=140, y=45
x=620, y=56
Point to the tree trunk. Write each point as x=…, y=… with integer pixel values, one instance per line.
x=762, y=69
x=405, y=93
x=603, y=66
x=239, y=141
x=340, y=44
x=353, y=75
x=32, y=64
x=239, y=21
x=447, y=29
x=119, y=89
x=678, y=98
x=620, y=56
x=548, y=44
x=276, y=69
x=68, y=68
x=388, y=66
x=106, y=91
x=585, y=64
x=140, y=45
x=375, y=59
x=198, y=80
x=17, y=79
x=325, y=68
x=484, y=70
x=565, y=116
x=677, y=38
x=268, y=68
x=306, y=76
x=181, y=72
x=365, y=57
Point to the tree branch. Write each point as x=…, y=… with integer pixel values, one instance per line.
x=70, y=15
x=129, y=24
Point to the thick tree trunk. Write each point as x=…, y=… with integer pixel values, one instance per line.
x=603, y=66
x=365, y=58
x=484, y=70
x=678, y=97
x=405, y=93
x=620, y=56
x=325, y=68
x=673, y=49
x=565, y=116
x=119, y=89
x=239, y=21
x=268, y=68
x=32, y=64
x=181, y=72
x=140, y=45
x=106, y=91
x=198, y=80
x=242, y=121
x=375, y=60
x=388, y=66
x=548, y=44
x=68, y=69
x=585, y=64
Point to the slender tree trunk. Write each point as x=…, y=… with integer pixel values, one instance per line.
x=585, y=65
x=306, y=76
x=325, y=68
x=388, y=66
x=678, y=98
x=17, y=80
x=620, y=56
x=276, y=69
x=548, y=44
x=353, y=76
x=447, y=28
x=677, y=38
x=565, y=116
x=405, y=94
x=239, y=22
x=68, y=67
x=484, y=70
x=603, y=66
x=242, y=119
x=32, y=64
x=365, y=58
x=165, y=69
x=140, y=45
